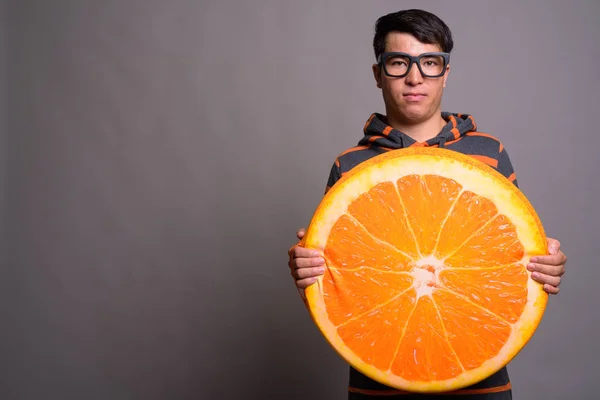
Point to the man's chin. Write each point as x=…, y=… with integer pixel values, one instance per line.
x=414, y=117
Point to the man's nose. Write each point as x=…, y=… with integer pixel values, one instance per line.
x=414, y=76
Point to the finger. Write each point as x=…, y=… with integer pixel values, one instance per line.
x=546, y=279
x=555, y=259
x=291, y=252
x=303, y=252
x=303, y=273
x=553, y=270
x=302, y=263
x=551, y=289
x=304, y=283
x=300, y=233
x=553, y=246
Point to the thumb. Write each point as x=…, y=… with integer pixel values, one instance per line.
x=553, y=246
x=300, y=233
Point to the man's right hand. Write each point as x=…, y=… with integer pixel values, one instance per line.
x=305, y=264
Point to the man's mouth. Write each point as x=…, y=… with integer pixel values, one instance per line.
x=414, y=96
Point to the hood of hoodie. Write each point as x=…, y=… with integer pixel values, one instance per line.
x=378, y=132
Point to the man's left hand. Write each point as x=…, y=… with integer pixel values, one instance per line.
x=549, y=269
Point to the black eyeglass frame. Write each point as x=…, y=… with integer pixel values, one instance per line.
x=413, y=60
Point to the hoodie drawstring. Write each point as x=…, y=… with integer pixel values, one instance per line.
x=442, y=142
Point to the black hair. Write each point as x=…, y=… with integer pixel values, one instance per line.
x=423, y=25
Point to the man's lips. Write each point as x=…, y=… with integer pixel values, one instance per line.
x=414, y=96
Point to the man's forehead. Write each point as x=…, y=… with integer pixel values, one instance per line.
x=407, y=43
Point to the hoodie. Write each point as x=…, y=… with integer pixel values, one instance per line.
x=459, y=134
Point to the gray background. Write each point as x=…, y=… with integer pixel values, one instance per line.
x=160, y=155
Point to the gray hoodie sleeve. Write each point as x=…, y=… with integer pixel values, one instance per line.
x=334, y=175
x=505, y=167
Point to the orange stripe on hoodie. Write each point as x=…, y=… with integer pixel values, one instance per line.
x=482, y=134
x=488, y=160
x=368, y=122
x=356, y=148
x=387, y=130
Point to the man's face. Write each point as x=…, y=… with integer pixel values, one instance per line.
x=412, y=99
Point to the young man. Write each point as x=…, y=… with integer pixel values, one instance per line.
x=412, y=49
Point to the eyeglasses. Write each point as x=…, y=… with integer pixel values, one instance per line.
x=398, y=65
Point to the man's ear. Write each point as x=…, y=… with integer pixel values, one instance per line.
x=446, y=74
x=377, y=74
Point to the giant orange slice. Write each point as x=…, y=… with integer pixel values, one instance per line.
x=426, y=287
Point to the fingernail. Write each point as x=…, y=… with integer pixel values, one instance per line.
x=320, y=261
x=316, y=254
x=535, y=275
x=321, y=270
x=530, y=267
x=533, y=259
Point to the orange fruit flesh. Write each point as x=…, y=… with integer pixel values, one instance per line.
x=426, y=287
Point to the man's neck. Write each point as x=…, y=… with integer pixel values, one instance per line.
x=420, y=132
